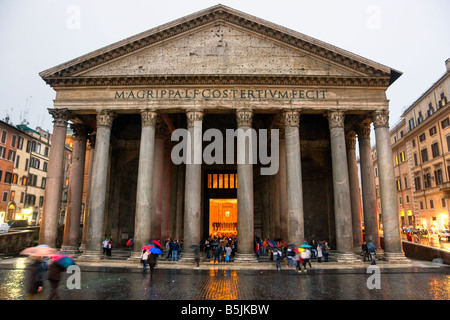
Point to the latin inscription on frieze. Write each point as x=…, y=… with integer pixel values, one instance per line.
x=226, y=94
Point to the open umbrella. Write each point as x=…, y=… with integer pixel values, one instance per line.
x=306, y=246
x=154, y=243
x=63, y=260
x=130, y=242
x=155, y=250
x=147, y=247
x=272, y=243
x=41, y=251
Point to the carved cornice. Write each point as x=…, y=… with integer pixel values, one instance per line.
x=219, y=14
x=336, y=119
x=60, y=116
x=381, y=119
x=214, y=79
x=193, y=116
x=105, y=118
x=291, y=118
x=148, y=118
x=244, y=117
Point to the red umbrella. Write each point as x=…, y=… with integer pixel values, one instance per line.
x=130, y=242
x=147, y=247
x=156, y=242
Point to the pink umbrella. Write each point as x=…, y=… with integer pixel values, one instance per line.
x=40, y=251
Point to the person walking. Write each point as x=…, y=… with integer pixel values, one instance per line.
x=109, y=248
x=54, y=276
x=228, y=253
x=278, y=257
x=35, y=275
x=105, y=246
x=290, y=253
x=168, y=251
x=325, y=251
x=306, y=257
x=365, y=251
x=152, y=263
x=319, y=253
x=372, y=251
x=217, y=253
x=144, y=258
x=313, y=245
x=208, y=249
x=175, y=247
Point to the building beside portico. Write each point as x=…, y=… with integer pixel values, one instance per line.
x=221, y=69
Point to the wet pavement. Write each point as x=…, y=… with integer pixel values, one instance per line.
x=418, y=281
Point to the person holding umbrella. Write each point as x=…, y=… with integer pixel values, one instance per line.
x=144, y=258
x=35, y=273
x=60, y=262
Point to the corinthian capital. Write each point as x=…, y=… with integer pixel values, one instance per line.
x=380, y=119
x=336, y=119
x=291, y=118
x=244, y=117
x=193, y=116
x=148, y=117
x=350, y=140
x=80, y=131
x=363, y=131
x=105, y=118
x=60, y=116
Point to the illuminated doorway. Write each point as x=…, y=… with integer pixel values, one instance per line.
x=222, y=217
x=220, y=204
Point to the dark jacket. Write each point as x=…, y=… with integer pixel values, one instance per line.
x=152, y=258
x=54, y=272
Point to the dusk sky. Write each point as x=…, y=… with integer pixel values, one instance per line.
x=409, y=36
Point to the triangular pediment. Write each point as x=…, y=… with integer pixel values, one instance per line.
x=219, y=41
x=220, y=49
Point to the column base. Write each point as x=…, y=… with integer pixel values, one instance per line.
x=245, y=258
x=91, y=256
x=395, y=257
x=82, y=247
x=135, y=256
x=69, y=249
x=347, y=257
x=187, y=258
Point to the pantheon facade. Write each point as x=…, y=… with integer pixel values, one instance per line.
x=222, y=69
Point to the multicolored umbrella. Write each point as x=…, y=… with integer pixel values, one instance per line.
x=306, y=246
x=63, y=260
x=41, y=251
x=130, y=242
x=272, y=243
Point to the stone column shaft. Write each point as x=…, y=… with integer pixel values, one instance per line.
x=245, y=250
x=283, y=189
x=91, y=152
x=342, y=204
x=368, y=186
x=354, y=191
x=193, y=182
x=100, y=167
x=75, y=194
x=388, y=192
x=55, y=176
x=144, y=203
x=296, y=227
